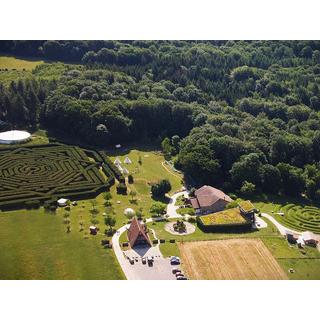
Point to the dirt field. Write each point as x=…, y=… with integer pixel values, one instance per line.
x=234, y=259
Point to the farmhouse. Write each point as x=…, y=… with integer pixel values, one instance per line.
x=208, y=199
x=138, y=234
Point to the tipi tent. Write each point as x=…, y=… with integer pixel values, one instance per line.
x=117, y=161
x=125, y=171
x=127, y=160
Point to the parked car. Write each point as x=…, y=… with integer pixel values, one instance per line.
x=150, y=261
x=179, y=274
x=144, y=260
x=182, y=278
x=175, y=270
x=131, y=260
x=174, y=258
x=175, y=261
x=136, y=258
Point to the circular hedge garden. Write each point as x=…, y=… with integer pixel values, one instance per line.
x=301, y=218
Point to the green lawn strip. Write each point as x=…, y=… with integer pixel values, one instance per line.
x=169, y=249
x=35, y=245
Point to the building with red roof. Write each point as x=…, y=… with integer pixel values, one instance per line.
x=208, y=199
x=138, y=234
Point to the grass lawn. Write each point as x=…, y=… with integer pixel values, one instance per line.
x=169, y=249
x=35, y=245
x=10, y=63
x=305, y=262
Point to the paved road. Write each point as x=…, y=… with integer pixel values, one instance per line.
x=172, y=208
x=282, y=229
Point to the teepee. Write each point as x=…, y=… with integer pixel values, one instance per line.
x=117, y=161
x=127, y=160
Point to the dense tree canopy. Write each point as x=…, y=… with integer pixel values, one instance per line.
x=242, y=115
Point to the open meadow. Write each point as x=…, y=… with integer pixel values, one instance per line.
x=13, y=63
x=35, y=245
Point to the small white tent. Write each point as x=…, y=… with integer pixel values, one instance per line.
x=127, y=160
x=125, y=171
x=62, y=202
x=117, y=161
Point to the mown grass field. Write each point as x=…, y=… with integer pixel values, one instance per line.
x=11, y=63
x=35, y=245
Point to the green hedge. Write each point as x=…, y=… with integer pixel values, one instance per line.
x=33, y=175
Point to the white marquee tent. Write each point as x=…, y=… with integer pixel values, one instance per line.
x=14, y=136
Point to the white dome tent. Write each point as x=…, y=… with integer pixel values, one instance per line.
x=14, y=136
x=127, y=160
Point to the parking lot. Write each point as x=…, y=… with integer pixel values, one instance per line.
x=161, y=269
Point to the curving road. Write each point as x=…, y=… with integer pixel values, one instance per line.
x=172, y=208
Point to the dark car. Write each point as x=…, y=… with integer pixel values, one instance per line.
x=182, y=278
x=144, y=260
x=175, y=262
x=175, y=270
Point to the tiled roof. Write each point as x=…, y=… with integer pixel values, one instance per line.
x=206, y=196
x=136, y=230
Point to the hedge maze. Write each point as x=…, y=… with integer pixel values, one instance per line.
x=46, y=172
x=300, y=218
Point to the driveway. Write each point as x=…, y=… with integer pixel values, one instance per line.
x=172, y=208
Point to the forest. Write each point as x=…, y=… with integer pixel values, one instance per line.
x=240, y=115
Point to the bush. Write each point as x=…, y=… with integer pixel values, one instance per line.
x=192, y=220
x=162, y=240
x=160, y=189
x=121, y=188
x=155, y=241
x=32, y=204
x=172, y=240
x=130, y=178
